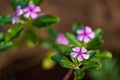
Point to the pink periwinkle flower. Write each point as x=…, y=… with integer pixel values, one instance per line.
x=31, y=11
x=16, y=14
x=85, y=34
x=61, y=39
x=80, y=53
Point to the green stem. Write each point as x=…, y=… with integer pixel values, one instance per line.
x=77, y=78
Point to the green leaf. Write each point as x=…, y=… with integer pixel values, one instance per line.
x=22, y=3
x=58, y=58
x=67, y=64
x=31, y=37
x=92, y=66
x=103, y=54
x=72, y=39
x=63, y=61
x=91, y=53
x=13, y=33
x=79, y=74
x=45, y=21
x=4, y=46
x=36, y=2
x=2, y=38
x=77, y=26
x=75, y=60
x=97, y=41
x=5, y=20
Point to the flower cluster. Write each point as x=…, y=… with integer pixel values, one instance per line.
x=84, y=35
x=31, y=11
x=16, y=14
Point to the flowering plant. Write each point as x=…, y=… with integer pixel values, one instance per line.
x=76, y=51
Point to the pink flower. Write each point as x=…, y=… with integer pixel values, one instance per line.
x=16, y=14
x=85, y=34
x=61, y=39
x=79, y=53
x=31, y=11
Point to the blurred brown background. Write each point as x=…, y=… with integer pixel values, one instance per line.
x=95, y=13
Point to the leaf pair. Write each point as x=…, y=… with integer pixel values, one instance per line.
x=63, y=61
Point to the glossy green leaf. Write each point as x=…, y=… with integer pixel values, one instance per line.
x=13, y=32
x=77, y=26
x=92, y=66
x=72, y=39
x=36, y=2
x=103, y=54
x=79, y=74
x=91, y=53
x=22, y=3
x=4, y=46
x=63, y=61
x=2, y=38
x=58, y=58
x=5, y=20
x=75, y=60
x=45, y=21
x=67, y=64
x=97, y=41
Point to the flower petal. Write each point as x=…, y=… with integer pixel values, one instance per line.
x=85, y=56
x=34, y=15
x=80, y=58
x=32, y=6
x=20, y=12
x=26, y=15
x=26, y=9
x=80, y=31
x=80, y=37
x=61, y=39
x=91, y=35
x=83, y=50
x=74, y=54
x=37, y=9
x=86, y=39
x=76, y=49
x=15, y=20
x=88, y=29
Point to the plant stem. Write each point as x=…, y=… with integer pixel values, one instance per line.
x=77, y=78
x=67, y=76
